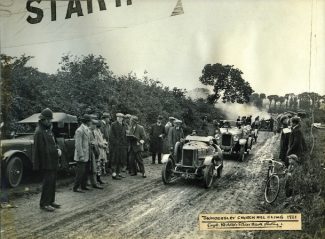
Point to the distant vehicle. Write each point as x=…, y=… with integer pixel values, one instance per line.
x=17, y=152
x=197, y=158
x=235, y=140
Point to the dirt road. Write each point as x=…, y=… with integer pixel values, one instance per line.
x=145, y=208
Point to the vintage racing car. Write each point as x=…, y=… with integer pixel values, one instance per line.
x=197, y=158
x=16, y=157
x=235, y=140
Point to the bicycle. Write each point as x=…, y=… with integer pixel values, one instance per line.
x=272, y=185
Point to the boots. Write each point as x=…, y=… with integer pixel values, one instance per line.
x=153, y=159
x=100, y=180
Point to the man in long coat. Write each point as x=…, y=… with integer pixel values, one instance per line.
x=297, y=144
x=45, y=157
x=284, y=139
x=136, y=149
x=118, y=146
x=93, y=164
x=105, y=128
x=175, y=135
x=82, y=153
x=157, y=133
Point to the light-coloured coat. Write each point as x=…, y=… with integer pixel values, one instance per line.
x=102, y=144
x=82, y=143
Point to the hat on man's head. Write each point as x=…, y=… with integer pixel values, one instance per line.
x=283, y=117
x=95, y=121
x=106, y=115
x=295, y=120
x=127, y=116
x=46, y=114
x=85, y=118
x=134, y=118
x=119, y=115
x=171, y=118
x=160, y=117
x=177, y=121
x=93, y=116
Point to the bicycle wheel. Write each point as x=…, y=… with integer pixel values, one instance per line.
x=272, y=188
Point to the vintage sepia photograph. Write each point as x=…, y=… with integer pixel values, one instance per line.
x=154, y=119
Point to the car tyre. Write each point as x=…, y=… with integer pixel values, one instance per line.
x=14, y=171
x=219, y=171
x=208, y=176
x=242, y=153
x=167, y=172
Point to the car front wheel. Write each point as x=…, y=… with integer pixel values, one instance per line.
x=208, y=175
x=167, y=172
x=14, y=171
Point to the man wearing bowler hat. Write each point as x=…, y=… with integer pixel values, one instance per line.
x=46, y=156
x=118, y=146
x=297, y=143
x=157, y=133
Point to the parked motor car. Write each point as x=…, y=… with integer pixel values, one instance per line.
x=17, y=152
x=197, y=157
x=235, y=140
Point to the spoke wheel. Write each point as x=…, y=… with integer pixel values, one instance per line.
x=14, y=171
x=242, y=153
x=208, y=176
x=167, y=172
x=272, y=188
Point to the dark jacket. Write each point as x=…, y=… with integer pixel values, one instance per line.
x=45, y=150
x=297, y=144
x=117, y=135
x=105, y=130
x=284, y=142
x=156, y=142
x=139, y=133
x=174, y=136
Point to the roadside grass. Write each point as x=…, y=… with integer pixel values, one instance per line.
x=309, y=191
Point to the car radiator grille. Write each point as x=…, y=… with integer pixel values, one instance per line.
x=187, y=157
x=226, y=140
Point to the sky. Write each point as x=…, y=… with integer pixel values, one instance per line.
x=268, y=40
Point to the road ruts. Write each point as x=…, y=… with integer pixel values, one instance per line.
x=145, y=208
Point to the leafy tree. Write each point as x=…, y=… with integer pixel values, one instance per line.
x=227, y=83
x=256, y=100
x=86, y=84
x=270, y=98
x=281, y=100
x=304, y=101
x=276, y=100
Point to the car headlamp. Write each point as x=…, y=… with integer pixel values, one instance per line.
x=236, y=138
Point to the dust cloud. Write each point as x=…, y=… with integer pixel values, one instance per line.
x=233, y=110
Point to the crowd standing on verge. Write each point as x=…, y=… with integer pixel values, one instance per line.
x=104, y=147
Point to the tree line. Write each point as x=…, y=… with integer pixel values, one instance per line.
x=85, y=84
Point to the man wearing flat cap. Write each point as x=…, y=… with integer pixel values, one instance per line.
x=46, y=157
x=137, y=137
x=175, y=134
x=82, y=153
x=157, y=133
x=118, y=146
x=169, y=124
x=297, y=143
x=284, y=138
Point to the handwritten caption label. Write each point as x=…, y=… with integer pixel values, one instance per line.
x=250, y=222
